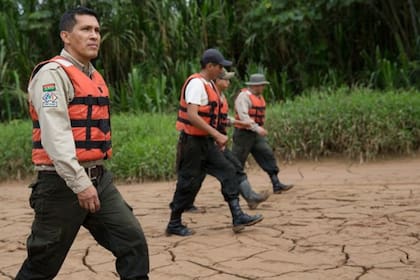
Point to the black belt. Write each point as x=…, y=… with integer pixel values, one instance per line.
x=185, y=135
x=93, y=172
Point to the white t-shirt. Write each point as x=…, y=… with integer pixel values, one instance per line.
x=195, y=92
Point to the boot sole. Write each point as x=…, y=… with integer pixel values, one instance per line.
x=254, y=204
x=282, y=190
x=239, y=228
x=168, y=233
x=255, y=222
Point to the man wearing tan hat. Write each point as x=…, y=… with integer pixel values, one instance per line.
x=250, y=105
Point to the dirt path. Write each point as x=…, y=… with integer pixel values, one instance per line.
x=341, y=221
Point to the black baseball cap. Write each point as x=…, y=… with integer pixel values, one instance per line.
x=214, y=56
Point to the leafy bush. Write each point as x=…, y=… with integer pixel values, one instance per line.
x=358, y=123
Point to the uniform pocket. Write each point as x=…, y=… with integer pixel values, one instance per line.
x=44, y=238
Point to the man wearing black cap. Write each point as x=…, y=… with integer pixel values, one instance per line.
x=250, y=105
x=252, y=198
x=200, y=146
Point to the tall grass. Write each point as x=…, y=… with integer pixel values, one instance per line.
x=357, y=124
x=353, y=123
x=151, y=92
x=144, y=146
x=15, y=149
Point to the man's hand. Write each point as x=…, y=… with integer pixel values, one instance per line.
x=261, y=131
x=221, y=140
x=89, y=200
x=244, y=124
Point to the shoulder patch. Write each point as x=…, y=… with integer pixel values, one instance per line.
x=48, y=87
x=49, y=99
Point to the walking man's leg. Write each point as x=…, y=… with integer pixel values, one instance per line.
x=58, y=217
x=116, y=228
x=264, y=156
x=221, y=168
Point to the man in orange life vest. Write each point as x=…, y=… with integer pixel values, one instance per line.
x=69, y=107
x=252, y=198
x=250, y=104
x=200, y=147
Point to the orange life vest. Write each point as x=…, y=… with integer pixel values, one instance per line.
x=257, y=110
x=88, y=113
x=223, y=116
x=208, y=112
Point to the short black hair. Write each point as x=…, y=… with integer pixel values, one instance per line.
x=68, y=19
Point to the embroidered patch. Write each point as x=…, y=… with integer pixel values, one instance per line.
x=49, y=99
x=48, y=87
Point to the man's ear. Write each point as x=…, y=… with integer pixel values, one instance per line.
x=64, y=35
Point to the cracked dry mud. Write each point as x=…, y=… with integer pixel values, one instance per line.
x=341, y=221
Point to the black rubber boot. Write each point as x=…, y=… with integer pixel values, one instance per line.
x=239, y=218
x=251, y=197
x=176, y=227
x=279, y=187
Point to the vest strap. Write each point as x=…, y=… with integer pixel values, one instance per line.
x=89, y=100
x=104, y=146
x=104, y=124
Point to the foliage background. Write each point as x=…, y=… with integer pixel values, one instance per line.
x=149, y=47
x=358, y=124
x=345, y=74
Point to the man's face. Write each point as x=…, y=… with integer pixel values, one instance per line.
x=222, y=84
x=258, y=89
x=83, y=41
x=214, y=70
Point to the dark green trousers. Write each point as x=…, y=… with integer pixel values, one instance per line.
x=246, y=142
x=58, y=218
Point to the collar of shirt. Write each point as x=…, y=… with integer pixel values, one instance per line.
x=253, y=92
x=88, y=70
x=250, y=90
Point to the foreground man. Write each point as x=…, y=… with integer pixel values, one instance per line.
x=69, y=106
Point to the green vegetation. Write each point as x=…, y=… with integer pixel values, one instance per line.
x=144, y=146
x=149, y=47
x=354, y=123
x=361, y=57
x=357, y=123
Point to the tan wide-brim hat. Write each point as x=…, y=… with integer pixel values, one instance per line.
x=256, y=80
x=225, y=75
